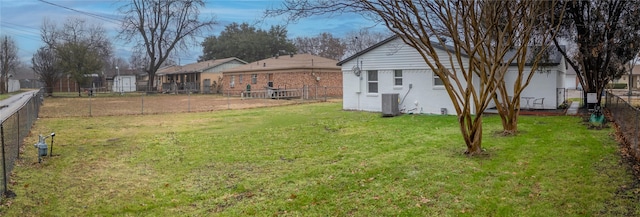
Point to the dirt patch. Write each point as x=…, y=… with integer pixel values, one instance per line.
x=631, y=191
x=151, y=104
x=543, y=112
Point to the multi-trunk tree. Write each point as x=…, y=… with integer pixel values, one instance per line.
x=81, y=49
x=533, y=49
x=606, y=34
x=45, y=64
x=476, y=36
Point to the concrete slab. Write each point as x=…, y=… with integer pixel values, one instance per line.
x=573, y=108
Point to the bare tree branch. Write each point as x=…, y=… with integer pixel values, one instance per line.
x=161, y=28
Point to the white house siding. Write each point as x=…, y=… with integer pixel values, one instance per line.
x=542, y=85
x=570, y=82
x=423, y=97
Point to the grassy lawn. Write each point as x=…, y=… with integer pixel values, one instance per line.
x=317, y=160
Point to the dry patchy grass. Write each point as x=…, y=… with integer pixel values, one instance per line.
x=136, y=104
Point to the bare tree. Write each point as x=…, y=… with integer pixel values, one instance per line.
x=357, y=41
x=8, y=61
x=324, y=45
x=474, y=34
x=532, y=38
x=161, y=27
x=45, y=65
x=81, y=48
x=607, y=35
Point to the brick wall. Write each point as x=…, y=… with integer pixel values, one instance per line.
x=315, y=79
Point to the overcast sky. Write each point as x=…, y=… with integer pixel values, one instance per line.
x=22, y=19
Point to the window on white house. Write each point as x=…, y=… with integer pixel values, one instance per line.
x=232, y=83
x=254, y=78
x=372, y=81
x=437, y=81
x=397, y=77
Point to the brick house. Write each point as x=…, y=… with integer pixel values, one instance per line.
x=316, y=75
x=200, y=77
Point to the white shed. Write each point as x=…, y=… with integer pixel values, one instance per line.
x=124, y=83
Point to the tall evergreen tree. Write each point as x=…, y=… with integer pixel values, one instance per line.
x=247, y=43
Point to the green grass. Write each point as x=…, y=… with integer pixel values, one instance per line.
x=317, y=160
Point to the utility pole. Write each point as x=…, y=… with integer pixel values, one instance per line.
x=119, y=85
x=5, y=66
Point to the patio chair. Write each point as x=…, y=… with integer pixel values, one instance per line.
x=538, y=101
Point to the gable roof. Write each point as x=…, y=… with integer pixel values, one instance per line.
x=435, y=44
x=297, y=61
x=554, y=56
x=197, y=67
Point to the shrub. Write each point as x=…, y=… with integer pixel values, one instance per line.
x=617, y=86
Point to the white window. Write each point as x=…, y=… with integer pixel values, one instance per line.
x=233, y=81
x=372, y=81
x=239, y=79
x=254, y=78
x=397, y=77
x=437, y=81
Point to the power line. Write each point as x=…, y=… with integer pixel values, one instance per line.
x=94, y=15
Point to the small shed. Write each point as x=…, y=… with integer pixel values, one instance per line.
x=124, y=83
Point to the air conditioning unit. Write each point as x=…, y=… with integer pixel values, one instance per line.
x=390, y=105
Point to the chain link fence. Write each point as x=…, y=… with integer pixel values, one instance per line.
x=17, y=118
x=137, y=103
x=627, y=117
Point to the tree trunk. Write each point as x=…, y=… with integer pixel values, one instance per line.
x=474, y=132
x=49, y=90
x=79, y=93
x=474, y=146
x=150, y=82
x=509, y=121
x=3, y=86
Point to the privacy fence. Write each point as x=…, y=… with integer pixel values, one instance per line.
x=17, y=118
x=627, y=117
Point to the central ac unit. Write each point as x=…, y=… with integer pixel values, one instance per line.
x=390, y=105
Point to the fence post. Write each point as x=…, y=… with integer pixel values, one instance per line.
x=325, y=93
x=89, y=105
x=635, y=132
x=142, y=112
x=19, y=136
x=4, y=160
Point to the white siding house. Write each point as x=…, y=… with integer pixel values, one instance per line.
x=391, y=66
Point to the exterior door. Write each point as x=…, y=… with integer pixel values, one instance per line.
x=207, y=86
x=127, y=84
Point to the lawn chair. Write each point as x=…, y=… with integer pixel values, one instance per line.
x=538, y=101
